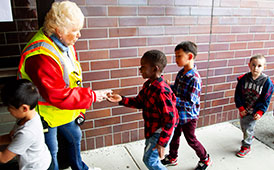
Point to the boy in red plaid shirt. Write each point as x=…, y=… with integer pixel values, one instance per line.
x=159, y=108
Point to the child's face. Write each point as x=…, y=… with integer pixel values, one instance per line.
x=17, y=113
x=147, y=70
x=182, y=58
x=256, y=66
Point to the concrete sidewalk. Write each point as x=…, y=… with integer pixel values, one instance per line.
x=222, y=141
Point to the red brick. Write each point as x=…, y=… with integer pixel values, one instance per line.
x=93, y=55
x=215, y=80
x=229, y=107
x=221, y=87
x=252, y=45
x=126, y=91
x=85, y=66
x=221, y=29
x=94, y=33
x=99, y=142
x=108, y=84
x=176, y=30
x=122, y=11
x=178, y=39
x=171, y=68
x=149, y=31
x=159, y=41
x=132, y=42
x=134, y=135
x=142, y=50
x=132, y=81
x=240, y=29
x=122, y=32
x=106, y=64
x=199, y=29
x=102, y=22
x=151, y=11
x=98, y=131
x=269, y=28
x=90, y=143
x=125, y=137
x=237, y=46
x=106, y=43
x=226, y=38
x=124, y=73
x=230, y=3
x=244, y=53
x=99, y=75
x=81, y=45
x=133, y=21
x=262, y=21
x=260, y=51
x=160, y=2
x=130, y=62
x=219, y=47
x=122, y=111
x=123, y=53
x=247, y=21
x=204, y=20
x=177, y=11
x=269, y=44
x=117, y=138
x=200, y=11
x=107, y=121
x=97, y=114
x=232, y=78
x=94, y=11
x=124, y=127
x=224, y=55
x=186, y=2
x=223, y=71
x=261, y=37
x=161, y=21
x=101, y=2
x=185, y=20
x=249, y=4
x=108, y=140
x=222, y=11
x=254, y=29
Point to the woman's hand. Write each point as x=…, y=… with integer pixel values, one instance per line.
x=114, y=98
x=102, y=94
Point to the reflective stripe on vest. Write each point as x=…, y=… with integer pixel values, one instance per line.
x=40, y=44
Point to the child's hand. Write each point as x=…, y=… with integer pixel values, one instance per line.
x=168, y=82
x=257, y=116
x=243, y=113
x=161, y=150
x=114, y=98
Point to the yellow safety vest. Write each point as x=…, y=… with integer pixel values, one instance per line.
x=41, y=44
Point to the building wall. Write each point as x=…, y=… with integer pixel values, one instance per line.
x=117, y=33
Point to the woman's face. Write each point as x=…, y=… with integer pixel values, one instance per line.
x=70, y=37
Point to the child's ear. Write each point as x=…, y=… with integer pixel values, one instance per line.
x=190, y=56
x=25, y=107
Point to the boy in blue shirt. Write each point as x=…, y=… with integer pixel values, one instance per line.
x=187, y=88
x=252, y=97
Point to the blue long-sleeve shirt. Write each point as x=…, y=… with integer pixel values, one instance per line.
x=187, y=88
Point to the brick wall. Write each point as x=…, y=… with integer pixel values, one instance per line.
x=118, y=32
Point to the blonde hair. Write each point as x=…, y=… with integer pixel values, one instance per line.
x=258, y=56
x=63, y=15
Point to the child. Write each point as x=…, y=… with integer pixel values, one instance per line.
x=27, y=138
x=252, y=98
x=159, y=111
x=187, y=89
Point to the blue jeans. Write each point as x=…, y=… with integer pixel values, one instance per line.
x=72, y=133
x=151, y=157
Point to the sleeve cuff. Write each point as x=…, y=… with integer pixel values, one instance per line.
x=241, y=108
x=260, y=112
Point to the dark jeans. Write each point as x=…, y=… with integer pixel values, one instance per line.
x=189, y=132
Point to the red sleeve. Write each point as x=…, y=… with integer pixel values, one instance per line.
x=47, y=76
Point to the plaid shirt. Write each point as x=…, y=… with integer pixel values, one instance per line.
x=159, y=109
x=187, y=89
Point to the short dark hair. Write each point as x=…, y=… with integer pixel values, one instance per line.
x=156, y=58
x=257, y=56
x=187, y=46
x=18, y=92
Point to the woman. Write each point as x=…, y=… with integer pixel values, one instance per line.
x=49, y=60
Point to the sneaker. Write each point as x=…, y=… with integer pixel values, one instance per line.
x=243, y=152
x=168, y=161
x=204, y=164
